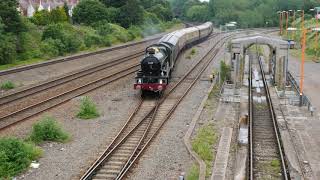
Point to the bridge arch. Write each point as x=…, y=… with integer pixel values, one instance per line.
x=277, y=62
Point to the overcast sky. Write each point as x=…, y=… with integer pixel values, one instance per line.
x=204, y=0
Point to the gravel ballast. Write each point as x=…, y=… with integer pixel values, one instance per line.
x=166, y=157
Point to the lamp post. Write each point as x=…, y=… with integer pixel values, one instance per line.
x=280, y=21
x=317, y=35
x=303, y=46
x=287, y=20
x=292, y=23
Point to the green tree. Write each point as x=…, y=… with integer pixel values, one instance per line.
x=10, y=16
x=7, y=49
x=130, y=14
x=198, y=13
x=164, y=13
x=114, y=3
x=66, y=10
x=90, y=11
x=58, y=15
x=41, y=18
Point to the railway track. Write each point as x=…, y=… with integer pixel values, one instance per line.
x=75, y=57
x=144, y=124
x=266, y=156
x=23, y=104
x=20, y=105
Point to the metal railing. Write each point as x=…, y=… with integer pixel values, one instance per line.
x=305, y=101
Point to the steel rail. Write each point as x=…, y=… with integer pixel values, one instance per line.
x=275, y=125
x=250, y=123
x=136, y=156
x=9, y=98
x=91, y=170
x=122, y=73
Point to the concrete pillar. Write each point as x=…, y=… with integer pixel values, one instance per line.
x=246, y=64
x=271, y=54
x=237, y=71
x=281, y=72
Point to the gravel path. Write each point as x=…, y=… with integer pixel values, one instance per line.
x=89, y=137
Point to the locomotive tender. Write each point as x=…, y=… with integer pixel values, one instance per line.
x=159, y=59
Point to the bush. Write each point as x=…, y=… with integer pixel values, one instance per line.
x=103, y=28
x=8, y=85
x=120, y=33
x=52, y=48
x=48, y=130
x=54, y=31
x=134, y=32
x=16, y=156
x=92, y=40
x=67, y=36
x=88, y=109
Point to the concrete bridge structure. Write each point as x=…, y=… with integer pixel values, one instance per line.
x=277, y=61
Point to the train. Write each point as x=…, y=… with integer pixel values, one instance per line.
x=159, y=60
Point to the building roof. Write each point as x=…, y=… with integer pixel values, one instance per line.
x=46, y=3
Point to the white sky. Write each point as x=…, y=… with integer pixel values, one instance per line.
x=204, y=0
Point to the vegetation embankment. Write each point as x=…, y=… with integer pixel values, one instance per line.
x=312, y=46
x=94, y=24
x=247, y=13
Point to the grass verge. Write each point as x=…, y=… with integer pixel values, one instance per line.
x=48, y=129
x=203, y=143
x=7, y=85
x=16, y=156
x=193, y=173
x=88, y=109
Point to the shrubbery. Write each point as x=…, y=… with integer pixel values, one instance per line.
x=88, y=109
x=16, y=156
x=48, y=129
x=94, y=24
x=6, y=85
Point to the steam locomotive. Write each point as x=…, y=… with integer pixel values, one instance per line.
x=159, y=60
